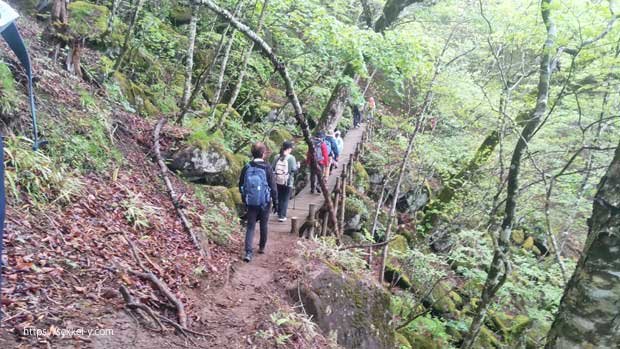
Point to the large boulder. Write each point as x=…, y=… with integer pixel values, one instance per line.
x=211, y=165
x=356, y=312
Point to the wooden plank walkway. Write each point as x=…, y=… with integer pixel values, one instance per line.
x=298, y=206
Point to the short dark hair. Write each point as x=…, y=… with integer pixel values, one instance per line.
x=258, y=150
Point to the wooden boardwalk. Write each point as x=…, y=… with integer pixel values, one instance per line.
x=298, y=206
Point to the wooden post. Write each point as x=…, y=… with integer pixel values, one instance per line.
x=311, y=220
x=294, y=226
x=350, y=175
x=324, y=224
x=337, y=195
x=343, y=199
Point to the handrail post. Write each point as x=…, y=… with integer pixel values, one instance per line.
x=311, y=220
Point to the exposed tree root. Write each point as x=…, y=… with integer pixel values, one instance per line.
x=171, y=192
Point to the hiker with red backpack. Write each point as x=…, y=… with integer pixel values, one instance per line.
x=321, y=153
x=284, y=168
x=257, y=186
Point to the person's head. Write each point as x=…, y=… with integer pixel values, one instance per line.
x=337, y=133
x=320, y=134
x=286, y=149
x=331, y=133
x=258, y=150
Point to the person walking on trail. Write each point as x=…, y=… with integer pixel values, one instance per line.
x=284, y=168
x=339, y=141
x=257, y=186
x=357, y=116
x=371, y=108
x=322, y=159
x=334, y=153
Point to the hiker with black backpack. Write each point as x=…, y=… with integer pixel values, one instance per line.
x=284, y=168
x=321, y=153
x=257, y=186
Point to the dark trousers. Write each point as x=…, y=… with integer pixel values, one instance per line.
x=315, y=178
x=356, y=119
x=284, y=192
x=255, y=214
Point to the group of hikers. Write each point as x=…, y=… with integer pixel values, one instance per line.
x=265, y=186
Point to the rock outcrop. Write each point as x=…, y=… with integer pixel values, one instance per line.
x=356, y=312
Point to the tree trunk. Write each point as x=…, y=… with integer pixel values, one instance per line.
x=337, y=101
x=113, y=11
x=189, y=62
x=128, y=36
x=290, y=93
x=401, y=176
x=500, y=266
x=206, y=74
x=244, y=65
x=391, y=10
x=446, y=194
x=220, y=78
x=589, y=315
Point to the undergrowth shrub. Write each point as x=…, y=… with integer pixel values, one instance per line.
x=9, y=98
x=219, y=222
x=137, y=212
x=326, y=249
x=36, y=175
x=84, y=143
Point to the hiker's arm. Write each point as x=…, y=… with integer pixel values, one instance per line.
x=241, y=182
x=272, y=185
x=292, y=164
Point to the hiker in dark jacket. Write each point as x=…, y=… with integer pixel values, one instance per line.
x=258, y=189
x=357, y=116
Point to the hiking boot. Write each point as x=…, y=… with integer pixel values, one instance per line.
x=281, y=219
x=248, y=257
x=312, y=191
x=261, y=250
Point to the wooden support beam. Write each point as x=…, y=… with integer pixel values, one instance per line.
x=294, y=225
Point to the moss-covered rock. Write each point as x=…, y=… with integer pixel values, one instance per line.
x=361, y=181
x=205, y=160
x=235, y=196
x=180, y=15
x=393, y=274
x=519, y=324
x=220, y=194
x=355, y=213
x=518, y=236
x=279, y=135
x=87, y=20
x=441, y=298
x=528, y=243
x=358, y=312
x=487, y=339
x=398, y=245
x=402, y=342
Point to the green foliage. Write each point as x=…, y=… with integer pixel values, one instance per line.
x=9, y=96
x=325, y=249
x=89, y=145
x=39, y=177
x=220, y=222
x=87, y=20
